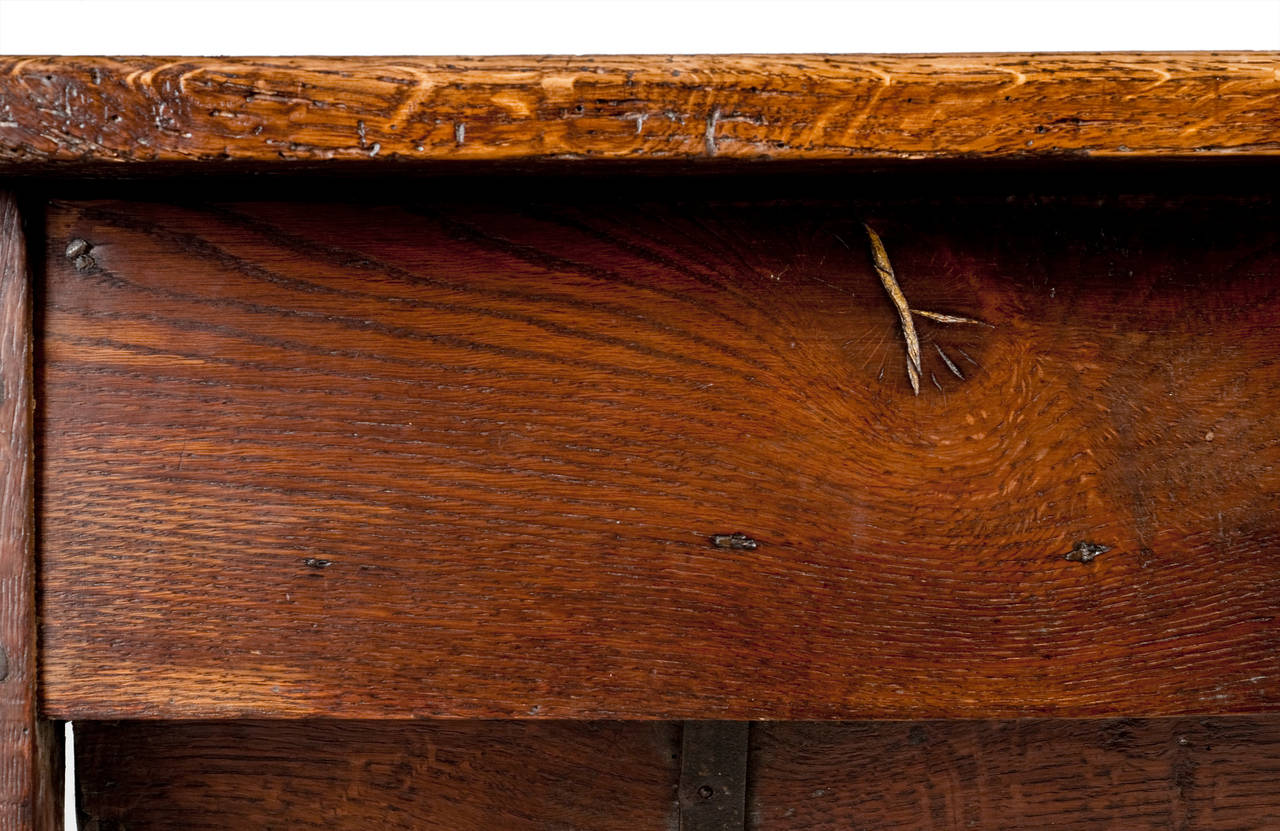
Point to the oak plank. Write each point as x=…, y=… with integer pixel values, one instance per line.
x=1193, y=774
x=113, y=114
x=488, y=459
x=457, y=776
x=30, y=773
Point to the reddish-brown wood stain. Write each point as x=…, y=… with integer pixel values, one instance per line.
x=29, y=755
x=471, y=460
x=633, y=438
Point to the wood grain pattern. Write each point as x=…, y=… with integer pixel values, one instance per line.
x=28, y=753
x=1075, y=775
x=455, y=459
x=298, y=775
x=1195, y=775
x=101, y=112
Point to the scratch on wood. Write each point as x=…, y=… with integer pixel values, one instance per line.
x=710, y=139
x=1086, y=552
x=639, y=119
x=734, y=542
x=884, y=270
x=944, y=318
x=955, y=370
x=880, y=259
x=913, y=375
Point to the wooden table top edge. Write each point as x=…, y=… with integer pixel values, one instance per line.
x=368, y=113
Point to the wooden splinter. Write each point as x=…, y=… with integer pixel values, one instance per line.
x=880, y=259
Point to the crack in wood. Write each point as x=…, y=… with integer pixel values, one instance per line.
x=880, y=260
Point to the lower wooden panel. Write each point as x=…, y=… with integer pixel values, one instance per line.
x=1189, y=774
x=360, y=775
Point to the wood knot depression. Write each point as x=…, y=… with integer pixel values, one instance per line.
x=1086, y=552
x=734, y=542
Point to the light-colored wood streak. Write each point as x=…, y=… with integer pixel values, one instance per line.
x=101, y=112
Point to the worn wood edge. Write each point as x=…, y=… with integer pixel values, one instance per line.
x=101, y=113
x=30, y=769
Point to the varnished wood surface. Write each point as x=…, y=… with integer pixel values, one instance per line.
x=106, y=114
x=488, y=458
x=297, y=775
x=1132, y=774
x=28, y=752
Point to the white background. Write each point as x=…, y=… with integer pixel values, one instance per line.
x=509, y=27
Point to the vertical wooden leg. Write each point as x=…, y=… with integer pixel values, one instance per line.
x=30, y=756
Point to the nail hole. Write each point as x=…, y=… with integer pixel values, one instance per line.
x=76, y=247
x=1087, y=552
x=734, y=542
